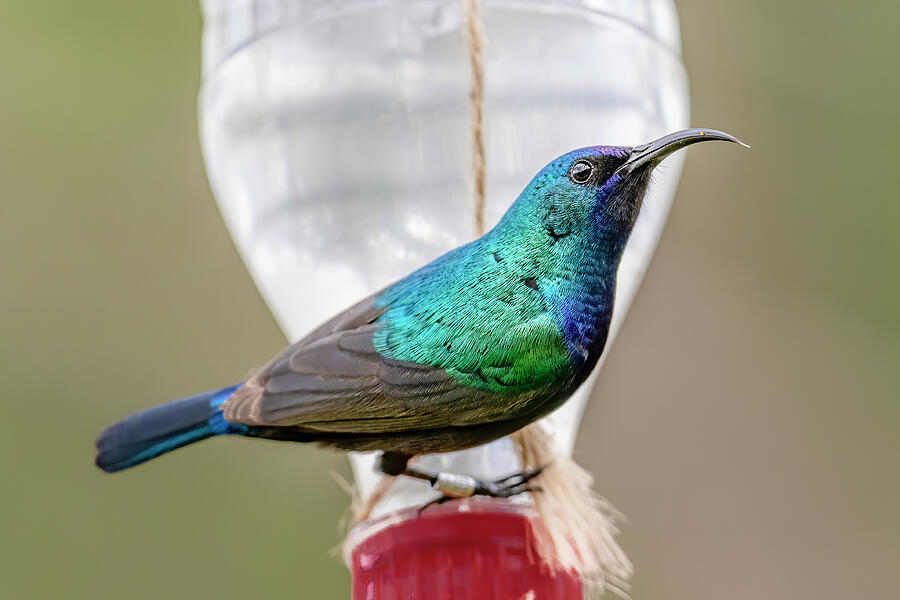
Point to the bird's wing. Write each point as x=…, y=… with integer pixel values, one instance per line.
x=334, y=380
x=362, y=313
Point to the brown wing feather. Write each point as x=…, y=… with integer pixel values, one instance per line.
x=244, y=406
x=334, y=381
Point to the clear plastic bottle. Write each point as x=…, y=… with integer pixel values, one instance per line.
x=336, y=138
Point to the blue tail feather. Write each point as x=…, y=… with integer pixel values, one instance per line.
x=161, y=429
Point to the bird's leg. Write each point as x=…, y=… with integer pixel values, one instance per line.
x=454, y=485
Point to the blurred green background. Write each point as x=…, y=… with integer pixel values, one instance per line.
x=746, y=421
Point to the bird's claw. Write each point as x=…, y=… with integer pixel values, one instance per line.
x=511, y=485
x=492, y=490
x=521, y=477
x=505, y=487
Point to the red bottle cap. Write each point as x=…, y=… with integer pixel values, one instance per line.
x=476, y=549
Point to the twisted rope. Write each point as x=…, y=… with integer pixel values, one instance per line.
x=474, y=32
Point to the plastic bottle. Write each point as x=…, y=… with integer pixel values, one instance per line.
x=336, y=140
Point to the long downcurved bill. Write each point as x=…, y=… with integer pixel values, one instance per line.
x=653, y=153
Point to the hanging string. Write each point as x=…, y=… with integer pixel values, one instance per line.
x=474, y=33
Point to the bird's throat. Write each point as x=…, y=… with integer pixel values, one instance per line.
x=585, y=307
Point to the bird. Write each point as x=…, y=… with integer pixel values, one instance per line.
x=473, y=346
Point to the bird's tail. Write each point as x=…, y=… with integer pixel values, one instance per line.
x=164, y=428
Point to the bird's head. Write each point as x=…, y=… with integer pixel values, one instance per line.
x=599, y=188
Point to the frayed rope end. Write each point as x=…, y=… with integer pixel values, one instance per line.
x=575, y=528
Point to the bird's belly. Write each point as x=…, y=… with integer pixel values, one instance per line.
x=455, y=437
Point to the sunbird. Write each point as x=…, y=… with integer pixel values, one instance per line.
x=469, y=348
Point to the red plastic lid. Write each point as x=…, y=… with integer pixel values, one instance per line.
x=477, y=549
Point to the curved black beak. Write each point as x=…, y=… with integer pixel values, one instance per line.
x=653, y=153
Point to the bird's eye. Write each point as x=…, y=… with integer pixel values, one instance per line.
x=581, y=171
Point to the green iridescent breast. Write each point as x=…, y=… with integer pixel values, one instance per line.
x=474, y=314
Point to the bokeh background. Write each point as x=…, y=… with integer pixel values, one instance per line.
x=746, y=421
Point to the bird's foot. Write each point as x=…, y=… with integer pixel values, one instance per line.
x=453, y=486
x=511, y=485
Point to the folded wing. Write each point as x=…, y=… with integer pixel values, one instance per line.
x=334, y=381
